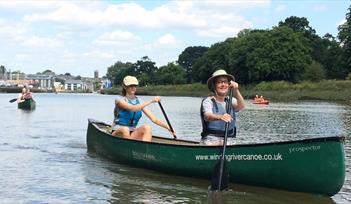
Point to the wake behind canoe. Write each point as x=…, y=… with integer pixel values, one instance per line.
x=312, y=165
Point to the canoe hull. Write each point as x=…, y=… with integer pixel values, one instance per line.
x=28, y=104
x=261, y=102
x=313, y=166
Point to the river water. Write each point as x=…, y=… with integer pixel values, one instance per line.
x=44, y=158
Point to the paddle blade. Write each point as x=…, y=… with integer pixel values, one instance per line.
x=13, y=100
x=216, y=184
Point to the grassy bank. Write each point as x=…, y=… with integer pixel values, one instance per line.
x=329, y=90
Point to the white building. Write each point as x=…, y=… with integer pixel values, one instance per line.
x=73, y=85
x=42, y=81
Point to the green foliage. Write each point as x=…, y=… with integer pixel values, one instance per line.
x=274, y=85
x=145, y=70
x=314, y=72
x=213, y=59
x=171, y=74
x=188, y=58
x=117, y=71
x=62, y=81
x=298, y=24
x=348, y=76
x=78, y=77
x=257, y=55
x=282, y=55
x=345, y=40
x=48, y=71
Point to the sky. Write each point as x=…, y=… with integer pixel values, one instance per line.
x=82, y=36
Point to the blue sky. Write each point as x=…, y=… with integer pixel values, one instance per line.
x=82, y=36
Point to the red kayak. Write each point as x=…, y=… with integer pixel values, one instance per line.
x=265, y=102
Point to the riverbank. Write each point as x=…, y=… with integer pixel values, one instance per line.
x=19, y=89
x=330, y=90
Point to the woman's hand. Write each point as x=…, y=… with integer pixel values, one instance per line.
x=156, y=99
x=226, y=117
x=234, y=85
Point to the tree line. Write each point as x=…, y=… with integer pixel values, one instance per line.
x=290, y=51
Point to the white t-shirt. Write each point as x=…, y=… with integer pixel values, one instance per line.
x=208, y=104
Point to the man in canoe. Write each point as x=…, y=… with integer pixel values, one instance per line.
x=213, y=108
x=128, y=111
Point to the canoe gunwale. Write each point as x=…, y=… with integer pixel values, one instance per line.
x=192, y=143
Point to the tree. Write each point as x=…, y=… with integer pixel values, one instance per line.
x=145, y=69
x=171, y=74
x=314, y=72
x=49, y=72
x=215, y=58
x=298, y=24
x=117, y=70
x=344, y=36
x=325, y=51
x=257, y=55
x=331, y=57
x=281, y=56
x=62, y=81
x=188, y=58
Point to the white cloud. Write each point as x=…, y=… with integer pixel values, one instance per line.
x=98, y=55
x=205, y=16
x=341, y=22
x=81, y=34
x=167, y=39
x=35, y=41
x=20, y=6
x=280, y=8
x=117, y=38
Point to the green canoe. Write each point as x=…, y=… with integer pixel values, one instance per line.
x=28, y=104
x=311, y=165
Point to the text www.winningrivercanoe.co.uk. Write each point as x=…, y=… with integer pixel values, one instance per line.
x=250, y=157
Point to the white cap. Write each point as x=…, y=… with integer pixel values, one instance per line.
x=130, y=80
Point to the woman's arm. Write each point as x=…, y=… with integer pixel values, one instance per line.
x=154, y=119
x=124, y=105
x=240, y=104
x=158, y=122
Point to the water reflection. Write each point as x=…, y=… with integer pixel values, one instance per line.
x=127, y=184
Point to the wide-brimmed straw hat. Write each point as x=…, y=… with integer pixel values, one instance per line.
x=130, y=80
x=218, y=73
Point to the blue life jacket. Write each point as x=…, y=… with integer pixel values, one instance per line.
x=128, y=117
x=217, y=127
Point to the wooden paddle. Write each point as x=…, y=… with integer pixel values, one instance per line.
x=220, y=176
x=13, y=100
x=169, y=124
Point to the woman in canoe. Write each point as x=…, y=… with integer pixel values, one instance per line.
x=25, y=94
x=213, y=108
x=128, y=111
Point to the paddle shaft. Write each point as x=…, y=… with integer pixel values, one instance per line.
x=164, y=113
x=229, y=108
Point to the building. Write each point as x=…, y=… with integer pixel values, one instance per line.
x=41, y=81
x=96, y=74
x=73, y=85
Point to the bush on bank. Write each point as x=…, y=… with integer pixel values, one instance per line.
x=331, y=90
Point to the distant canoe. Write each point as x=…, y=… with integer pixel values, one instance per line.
x=311, y=165
x=28, y=104
x=264, y=102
